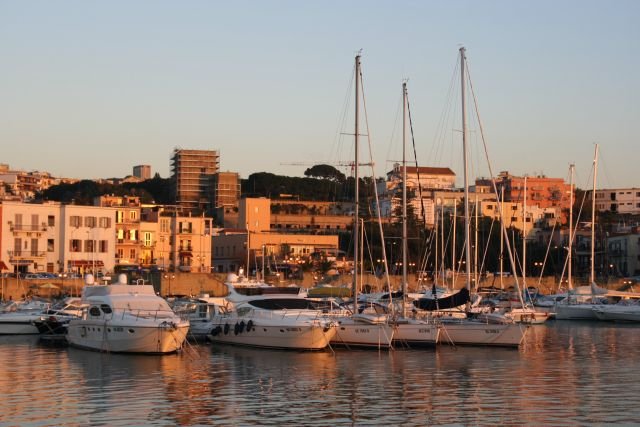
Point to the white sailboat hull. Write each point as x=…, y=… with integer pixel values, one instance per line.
x=118, y=337
x=617, y=313
x=18, y=325
x=416, y=333
x=354, y=333
x=485, y=334
x=528, y=316
x=576, y=311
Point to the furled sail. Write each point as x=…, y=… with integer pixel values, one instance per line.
x=455, y=300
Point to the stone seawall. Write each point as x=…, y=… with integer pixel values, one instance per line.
x=213, y=284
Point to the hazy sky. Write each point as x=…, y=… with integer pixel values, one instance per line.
x=90, y=89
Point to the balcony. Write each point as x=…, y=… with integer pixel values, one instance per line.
x=27, y=227
x=16, y=255
x=126, y=242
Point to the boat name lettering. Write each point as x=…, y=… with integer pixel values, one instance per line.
x=492, y=331
x=293, y=329
x=362, y=331
x=424, y=331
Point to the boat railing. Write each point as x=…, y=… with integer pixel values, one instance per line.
x=139, y=314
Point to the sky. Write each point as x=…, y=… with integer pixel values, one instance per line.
x=90, y=89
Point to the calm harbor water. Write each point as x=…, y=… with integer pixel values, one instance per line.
x=567, y=373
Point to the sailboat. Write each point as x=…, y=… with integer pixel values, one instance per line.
x=410, y=331
x=361, y=328
x=472, y=330
x=526, y=313
x=580, y=302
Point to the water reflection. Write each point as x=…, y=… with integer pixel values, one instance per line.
x=567, y=373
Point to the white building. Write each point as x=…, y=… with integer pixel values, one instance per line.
x=619, y=200
x=55, y=238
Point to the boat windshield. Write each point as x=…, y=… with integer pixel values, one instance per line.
x=285, y=304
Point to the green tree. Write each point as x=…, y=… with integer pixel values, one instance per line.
x=325, y=172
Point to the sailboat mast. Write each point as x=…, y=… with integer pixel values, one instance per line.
x=593, y=217
x=436, y=254
x=467, y=221
x=524, y=235
x=475, y=245
x=501, y=235
x=356, y=225
x=454, y=267
x=569, y=255
x=442, y=267
x=404, y=196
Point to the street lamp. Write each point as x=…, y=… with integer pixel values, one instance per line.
x=538, y=265
x=170, y=277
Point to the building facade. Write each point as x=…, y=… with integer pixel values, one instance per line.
x=142, y=172
x=254, y=240
x=620, y=200
x=55, y=238
x=225, y=198
x=541, y=191
x=193, y=171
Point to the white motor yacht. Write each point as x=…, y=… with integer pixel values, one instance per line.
x=200, y=312
x=124, y=318
x=23, y=317
x=271, y=317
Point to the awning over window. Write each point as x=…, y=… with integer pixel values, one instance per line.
x=85, y=263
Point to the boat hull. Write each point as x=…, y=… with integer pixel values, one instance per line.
x=354, y=333
x=575, y=312
x=415, y=333
x=528, y=316
x=311, y=336
x=122, y=338
x=482, y=334
x=17, y=323
x=617, y=314
x=18, y=328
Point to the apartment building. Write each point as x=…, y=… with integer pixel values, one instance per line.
x=142, y=172
x=618, y=200
x=310, y=216
x=541, y=191
x=225, y=198
x=175, y=241
x=420, y=180
x=127, y=228
x=192, y=171
x=254, y=238
x=55, y=238
x=25, y=185
x=623, y=253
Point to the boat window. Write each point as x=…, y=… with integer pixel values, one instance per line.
x=94, y=311
x=106, y=309
x=282, y=304
x=243, y=311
